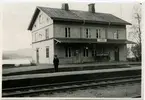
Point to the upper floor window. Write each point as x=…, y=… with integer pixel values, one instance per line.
x=86, y=52
x=40, y=36
x=116, y=35
x=47, y=52
x=36, y=36
x=40, y=18
x=106, y=33
x=98, y=33
x=67, y=52
x=47, y=33
x=67, y=32
x=88, y=35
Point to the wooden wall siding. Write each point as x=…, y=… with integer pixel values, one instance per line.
x=78, y=31
x=57, y=30
x=39, y=29
x=42, y=51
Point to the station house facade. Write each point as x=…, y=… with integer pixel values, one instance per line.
x=77, y=36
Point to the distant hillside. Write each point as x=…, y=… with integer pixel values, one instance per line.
x=20, y=53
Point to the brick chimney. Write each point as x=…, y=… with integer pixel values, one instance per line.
x=65, y=6
x=91, y=7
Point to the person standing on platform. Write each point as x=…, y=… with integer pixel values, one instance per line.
x=56, y=63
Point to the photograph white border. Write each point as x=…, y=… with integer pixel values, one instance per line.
x=69, y=1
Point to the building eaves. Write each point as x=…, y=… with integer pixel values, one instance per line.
x=77, y=16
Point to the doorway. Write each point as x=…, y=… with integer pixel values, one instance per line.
x=116, y=54
x=77, y=56
x=37, y=55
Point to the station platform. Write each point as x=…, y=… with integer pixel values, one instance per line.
x=44, y=68
x=60, y=77
x=17, y=77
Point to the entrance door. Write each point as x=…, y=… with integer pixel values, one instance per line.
x=77, y=56
x=37, y=55
x=116, y=54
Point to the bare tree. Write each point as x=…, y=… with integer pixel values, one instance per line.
x=135, y=32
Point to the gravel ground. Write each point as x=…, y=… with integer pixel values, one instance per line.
x=116, y=91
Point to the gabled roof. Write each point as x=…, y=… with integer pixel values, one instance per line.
x=77, y=16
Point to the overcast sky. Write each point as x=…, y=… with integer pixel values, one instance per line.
x=16, y=18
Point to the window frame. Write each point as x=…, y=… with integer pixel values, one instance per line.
x=47, y=51
x=116, y=35
x=86, y=52
x=67, y=32
x=36, y=36
x=87, y=32
x=98, y=33
x=47, y=33
x=94, y=52
x=68, y=52
x=40, y=19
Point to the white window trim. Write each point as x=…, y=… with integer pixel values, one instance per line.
x=47, y=33
x=68, y=52
x=98, y=31
x=86, y=52
x=94, y=51
x=116, y=35
x=47, y=48
x=40, y=18
x=88, y=35
x=67, y=32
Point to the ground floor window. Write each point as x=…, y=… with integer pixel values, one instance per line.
x=86, y=52
x=94, y=52
x=67, y=52
x=37, y=55
x=47, y=33
x=47, y=52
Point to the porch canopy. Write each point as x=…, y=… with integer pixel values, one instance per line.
x=82, y=40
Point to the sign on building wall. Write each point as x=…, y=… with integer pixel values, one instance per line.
x=101, y=40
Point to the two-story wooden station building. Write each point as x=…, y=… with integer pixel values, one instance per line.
x=77, y=36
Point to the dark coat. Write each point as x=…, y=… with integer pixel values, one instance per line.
x=56, y=61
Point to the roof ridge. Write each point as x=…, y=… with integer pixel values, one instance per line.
x=70, y=9
x=77, y=16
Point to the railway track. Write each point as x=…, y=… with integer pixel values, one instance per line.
x=31, y=90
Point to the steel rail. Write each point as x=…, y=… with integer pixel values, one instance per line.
x=12, y=92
